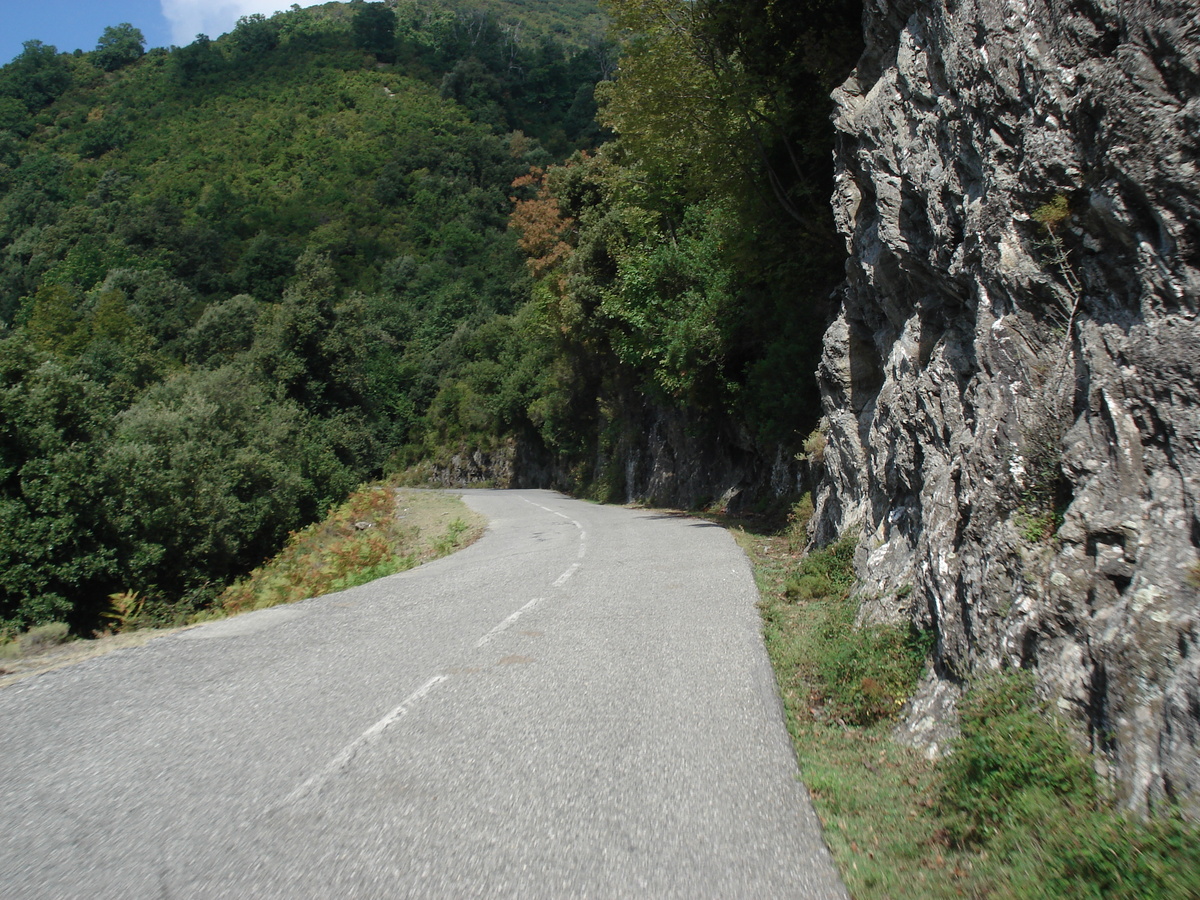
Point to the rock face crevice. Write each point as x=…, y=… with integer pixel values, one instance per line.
x=1012, y=387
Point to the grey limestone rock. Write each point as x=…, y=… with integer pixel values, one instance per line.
x=1013, y=410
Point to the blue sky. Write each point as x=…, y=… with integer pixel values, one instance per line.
x=71, y=24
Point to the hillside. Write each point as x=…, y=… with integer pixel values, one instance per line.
x=237, y=276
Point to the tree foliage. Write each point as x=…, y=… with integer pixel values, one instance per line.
x=689, y=264
x=374, y=30
x=119, y=46
x=240, y=276
x=35, y=79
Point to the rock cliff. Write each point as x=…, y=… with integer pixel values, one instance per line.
x=1011, y=393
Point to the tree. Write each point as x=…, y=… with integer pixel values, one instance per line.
x=374, y=29
x=37, y=77
x=52, y=550
x=256, y=34
x=197, y=62
x=119, y=46
x=541, y=224
x=738, y=89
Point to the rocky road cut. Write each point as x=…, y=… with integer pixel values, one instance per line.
x=579, y=705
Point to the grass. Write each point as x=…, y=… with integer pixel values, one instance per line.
x=856, y=673
x=1013, y=812
x=379, y=531
x=36, y=640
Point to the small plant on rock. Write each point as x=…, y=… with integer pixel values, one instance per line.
x=1193, y=575
x=814, y=448
x=1053, y=217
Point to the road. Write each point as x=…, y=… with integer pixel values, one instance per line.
x=578, y=705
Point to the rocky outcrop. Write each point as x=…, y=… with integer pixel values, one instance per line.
x=1012, y=388
x=676, y=457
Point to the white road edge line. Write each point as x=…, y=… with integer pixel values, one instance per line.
x=561, y=515
x=507, y=623
x=343, y=759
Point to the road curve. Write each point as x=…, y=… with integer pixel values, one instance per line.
x=579, y=705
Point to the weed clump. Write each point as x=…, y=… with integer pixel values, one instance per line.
x=861, y=673
x=35, y=640
x=449, y=541
x=824, y=573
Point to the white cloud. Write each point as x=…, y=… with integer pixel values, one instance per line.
x=189, y=18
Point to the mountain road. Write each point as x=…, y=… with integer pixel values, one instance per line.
x=577, y=705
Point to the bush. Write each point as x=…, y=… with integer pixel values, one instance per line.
x=869, y=671
x=1010, y=759
x=824, y=573
x=35, y=640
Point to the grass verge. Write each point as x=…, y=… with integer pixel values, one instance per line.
x=380, y=530
x=1013, y=812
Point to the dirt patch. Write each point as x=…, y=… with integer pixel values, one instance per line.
x=432, y=512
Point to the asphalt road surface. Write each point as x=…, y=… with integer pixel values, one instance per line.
x=579, y=705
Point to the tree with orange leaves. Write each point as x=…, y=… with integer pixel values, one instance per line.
x=541, y=223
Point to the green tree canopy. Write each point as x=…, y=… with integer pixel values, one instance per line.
x=374, y=29
x=37, y=77
x=119, y=46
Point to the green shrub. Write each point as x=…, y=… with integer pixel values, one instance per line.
x=869, y=671
x=796, y=530
x=362, y=539
x=1016, y=791
x=1104, y=854
x=1010, y=760
x=825, y=572
x=1052, y=215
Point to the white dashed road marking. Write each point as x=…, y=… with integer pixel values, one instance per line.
x=343, y=759
x=507, y=623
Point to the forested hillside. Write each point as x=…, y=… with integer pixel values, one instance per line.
x=239, y=276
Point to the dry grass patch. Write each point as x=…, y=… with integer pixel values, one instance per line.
x=16, y=666
x=380, y=530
